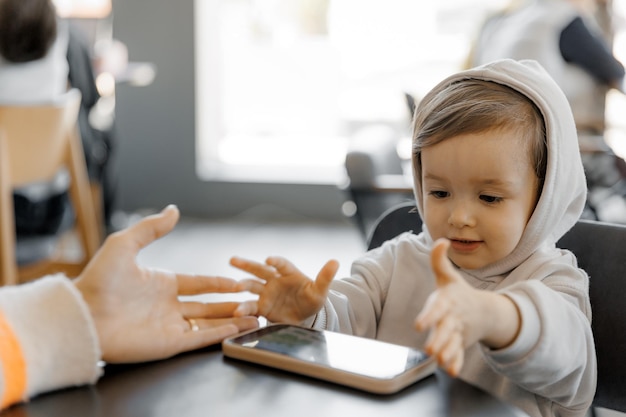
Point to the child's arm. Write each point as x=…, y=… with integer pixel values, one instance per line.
x=286, y=295
x=459, y=315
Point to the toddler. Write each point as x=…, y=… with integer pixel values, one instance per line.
x=483, y=288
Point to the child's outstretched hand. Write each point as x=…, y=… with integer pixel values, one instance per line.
x=286, y=295
x=459, y=315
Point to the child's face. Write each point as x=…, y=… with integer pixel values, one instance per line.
x=479, y=191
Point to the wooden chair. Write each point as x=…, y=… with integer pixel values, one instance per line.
x=36, y=141
x=601, y=251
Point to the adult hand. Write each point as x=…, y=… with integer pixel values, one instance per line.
x=137, y=311
x=459, y=315
x=286, y=295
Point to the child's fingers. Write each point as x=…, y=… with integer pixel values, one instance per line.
x=433, y=311
x=454, y=366
x=251, y=285
x=282, y=266
x=326, y=276
x=257, y=269
x=441, y=335
x=442, y=267
x=449, y=352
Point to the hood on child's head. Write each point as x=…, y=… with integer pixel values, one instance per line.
x=564, y=190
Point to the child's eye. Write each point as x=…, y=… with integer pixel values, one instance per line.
x=490, y=199
x=439, y=194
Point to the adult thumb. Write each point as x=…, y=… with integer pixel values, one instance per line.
x=442, y=267
x=153, y=227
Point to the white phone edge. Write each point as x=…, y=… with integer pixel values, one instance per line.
x=326, y=373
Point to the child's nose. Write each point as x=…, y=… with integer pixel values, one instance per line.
x=460, y=215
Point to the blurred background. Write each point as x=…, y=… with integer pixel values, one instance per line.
x=278, y=127
x=256, y=101
x=224, y=107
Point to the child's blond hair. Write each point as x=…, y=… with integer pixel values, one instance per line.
x=473, y=106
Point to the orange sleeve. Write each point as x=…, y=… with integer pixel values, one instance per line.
x=13, y=365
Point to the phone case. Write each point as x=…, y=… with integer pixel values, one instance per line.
x=236, y=347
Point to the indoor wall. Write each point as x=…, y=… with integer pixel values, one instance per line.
x=155, y=154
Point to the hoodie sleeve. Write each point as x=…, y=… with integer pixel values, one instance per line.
x=354, y=304
x=47, y=339
x=554, y=354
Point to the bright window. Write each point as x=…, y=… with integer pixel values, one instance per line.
x=283, y=85
x=616, y=101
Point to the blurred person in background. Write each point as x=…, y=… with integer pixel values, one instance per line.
x=566, y=39
x=41, y=56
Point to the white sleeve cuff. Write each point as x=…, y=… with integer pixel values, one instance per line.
x=527, y=337
x=56, y=333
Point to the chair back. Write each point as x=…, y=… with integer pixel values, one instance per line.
x=600, y=249
x=401, y=218
x=36, y=134
x=36, y=141
x=375, y=176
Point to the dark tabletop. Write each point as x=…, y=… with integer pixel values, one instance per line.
x=204, y=383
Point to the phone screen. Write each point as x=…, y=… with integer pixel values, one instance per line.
x=353, y=354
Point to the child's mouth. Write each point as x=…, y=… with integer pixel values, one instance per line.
x=461, y=245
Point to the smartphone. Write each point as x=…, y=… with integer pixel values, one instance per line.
x=366, y=364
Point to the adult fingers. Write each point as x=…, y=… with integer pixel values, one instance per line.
x=150, y=228
x=208, y=310
x=247, y=308
x=242, y=323
x=195, y=340
x=200, y=284
x=246, y=323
